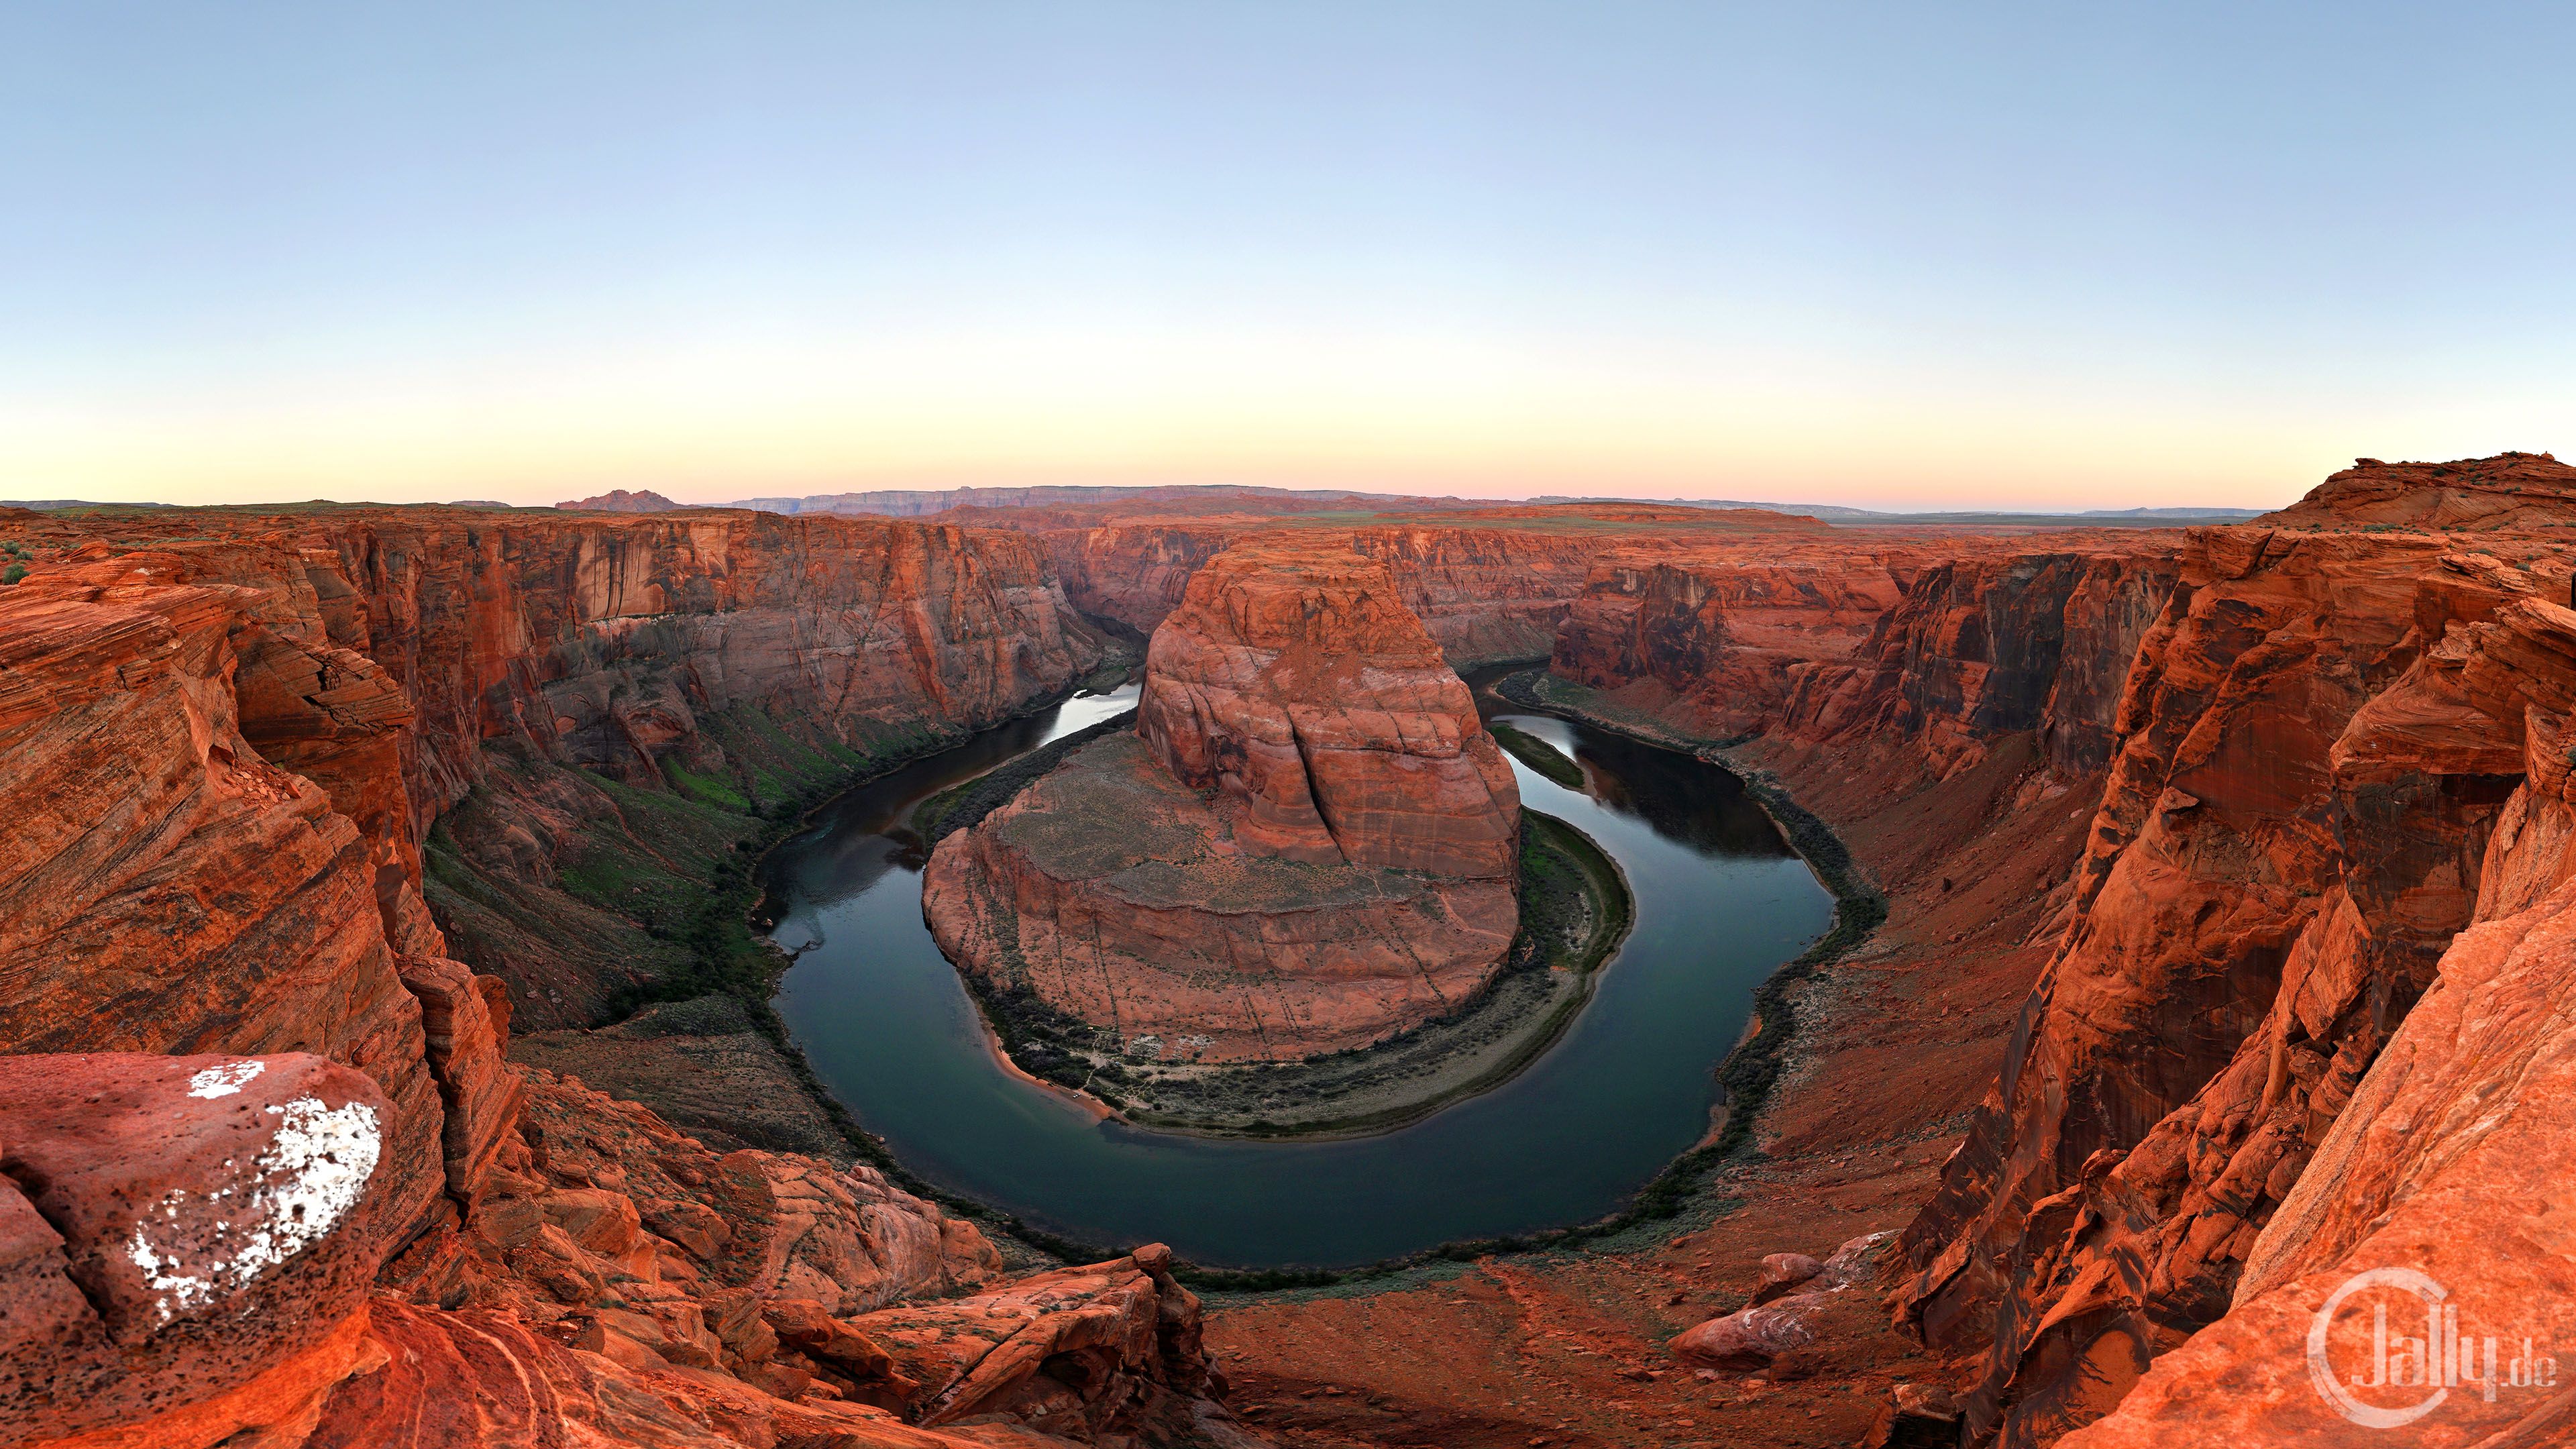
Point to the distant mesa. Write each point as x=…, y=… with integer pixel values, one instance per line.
x=618, y=500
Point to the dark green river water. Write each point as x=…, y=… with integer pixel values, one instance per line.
x=1721, y=901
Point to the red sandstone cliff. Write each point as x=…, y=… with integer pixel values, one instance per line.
x=1300, y=688
x=2290, y=837
x=2507, y=491
x=555, y=1265
x=1310, y=843
x=2442, y=1158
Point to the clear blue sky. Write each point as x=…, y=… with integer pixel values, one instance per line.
x=2034, y=256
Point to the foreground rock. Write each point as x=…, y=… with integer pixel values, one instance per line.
x=1309, y=843
x=186, y=1243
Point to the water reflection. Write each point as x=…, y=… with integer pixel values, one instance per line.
x=884, y=1020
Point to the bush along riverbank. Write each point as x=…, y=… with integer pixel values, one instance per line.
x=1538, y=754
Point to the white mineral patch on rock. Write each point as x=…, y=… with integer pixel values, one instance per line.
x=224, y=1081
x=311, y=1176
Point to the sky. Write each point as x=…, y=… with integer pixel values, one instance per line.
x=2051, y=256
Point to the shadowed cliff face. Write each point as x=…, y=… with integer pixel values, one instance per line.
x=1985, y=647
x=1859, y=649
x=2291, y=836
x=1730, y=638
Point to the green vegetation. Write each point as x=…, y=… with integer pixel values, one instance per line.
x=966, y=803
x=16, y=572
x=1539, y=755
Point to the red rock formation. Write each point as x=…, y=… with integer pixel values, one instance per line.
x=1310, y=843
x=2298, y=809
x=186, y=1242
x=1722, y=641
x=1489, y=583
x=1299, y=687
x=568, y=1265
x=1119, y=896
x=2507, y=491
x=2451, y=1150
x=1994, y=645
x=163, y=887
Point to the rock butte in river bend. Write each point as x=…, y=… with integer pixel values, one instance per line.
x=1309, y=843
x=2243, y=850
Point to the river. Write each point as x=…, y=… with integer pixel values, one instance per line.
x=1721, y=902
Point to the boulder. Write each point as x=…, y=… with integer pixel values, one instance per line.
x=186, y=1243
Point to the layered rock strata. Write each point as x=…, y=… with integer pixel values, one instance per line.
x=1309, y=843
x=2292, y=835
x=2439, y=1168
x=189, y=1258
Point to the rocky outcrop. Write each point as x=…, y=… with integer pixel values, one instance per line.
x=1121, y=897
x=2507, y=491
x=2290, y=838
x=1299, y=687
x=164, y=888
x=187, y=1246
x=2447, y=1149
x=1309, y=842
x=186, y=1243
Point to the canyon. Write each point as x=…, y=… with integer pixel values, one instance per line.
x=2224, y=877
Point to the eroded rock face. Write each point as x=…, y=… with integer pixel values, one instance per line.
x=2447, y=1160
x=2507, y=491
x=186, y=1242
x=1725, y=638
x=1995, y=645
x=1300, y=688
x=567, y=1268
x=1123, y=897
x=2316, y=749
x=1310, y=841
x=163, y=887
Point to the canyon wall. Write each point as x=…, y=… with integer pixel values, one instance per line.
x=1309, y=842
x=2291, y=835
x=1940, y=648
x=1993, y=645
x=1721, y=643
x=2441, y=1163
x=228, y=763
x=1489, y=584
